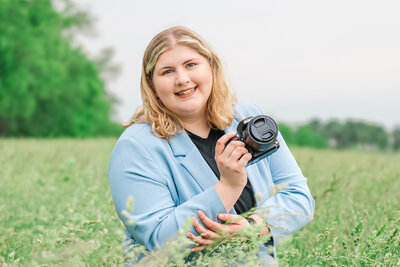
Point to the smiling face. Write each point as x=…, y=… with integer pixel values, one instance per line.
x=182, y=79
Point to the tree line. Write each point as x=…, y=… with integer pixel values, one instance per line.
x=342, y=135
x=48, y=85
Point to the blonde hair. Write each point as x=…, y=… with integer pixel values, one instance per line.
x=164, y=122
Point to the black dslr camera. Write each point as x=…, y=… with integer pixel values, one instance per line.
x=259, y=134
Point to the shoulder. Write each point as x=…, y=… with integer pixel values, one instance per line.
x=140, y=136
x=138, y=131
x=139, y=151
x=244, y=109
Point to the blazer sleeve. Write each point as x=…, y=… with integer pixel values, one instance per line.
x=156, y=217
x=293, y=207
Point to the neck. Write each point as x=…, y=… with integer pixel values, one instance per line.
x=198, y=126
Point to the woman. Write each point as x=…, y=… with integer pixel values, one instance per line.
x=175, y=161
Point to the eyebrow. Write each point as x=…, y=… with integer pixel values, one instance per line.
x=186, y=61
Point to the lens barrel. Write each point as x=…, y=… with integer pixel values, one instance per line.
x=260, y=133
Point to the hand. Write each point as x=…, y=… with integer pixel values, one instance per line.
x=216, y=231
x=259, y=220
x=231, y=161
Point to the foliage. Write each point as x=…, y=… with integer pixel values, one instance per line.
x=48, y=87
x=287, y=133
x=240, y=248
x=396, y=138
x=353, y=133
x=56, y=207
x=304, y=135
x=342, y=135
x=357, y=218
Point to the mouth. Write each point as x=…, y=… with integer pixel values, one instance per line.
x=186, y=91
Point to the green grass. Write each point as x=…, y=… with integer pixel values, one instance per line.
x=55, y=203
x=357, y=215
x=56, y=207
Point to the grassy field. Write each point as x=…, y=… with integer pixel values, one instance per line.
x=56, y=207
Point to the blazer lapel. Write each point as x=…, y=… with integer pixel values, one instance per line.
x=191, y=159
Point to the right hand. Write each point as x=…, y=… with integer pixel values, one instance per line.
x=231, y=161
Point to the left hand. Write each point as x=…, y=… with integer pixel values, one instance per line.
x=215, y=230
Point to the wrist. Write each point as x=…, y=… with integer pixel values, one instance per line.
x=237, y=185
x=228, y=194
x=257, y=218
x=251, y=220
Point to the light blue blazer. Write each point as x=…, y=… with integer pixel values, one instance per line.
x=171, y=182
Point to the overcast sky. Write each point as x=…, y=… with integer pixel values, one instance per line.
x=295, y=59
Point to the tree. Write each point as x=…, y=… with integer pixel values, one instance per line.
x=287, y=133
x=48, y=87
x=355, y=133
x=306, y=136
x=396, y=137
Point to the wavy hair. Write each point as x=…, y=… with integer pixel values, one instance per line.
x=164, y=122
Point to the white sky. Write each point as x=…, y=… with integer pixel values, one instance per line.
x=295, y=59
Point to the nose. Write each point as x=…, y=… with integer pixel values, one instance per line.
x=182, y=77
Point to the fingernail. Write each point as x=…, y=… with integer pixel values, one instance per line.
x=221, y=216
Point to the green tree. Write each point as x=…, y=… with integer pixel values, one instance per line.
x=396, y=137
x=287, y=133
x=354, y=133
x=378, y=136
x=333, y=131
x=48, y=86
x=306, y=136
x=360, y=133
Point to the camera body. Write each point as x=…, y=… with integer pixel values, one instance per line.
x=259, y=134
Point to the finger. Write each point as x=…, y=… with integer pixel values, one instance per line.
x=230, y=218
x=208, y=234
x=232, y=146
x=238, y=152
x=215, y=226
x=220, y=146
x=198, y=248
x=200, y=240
x=244, y=160
x=264, y=231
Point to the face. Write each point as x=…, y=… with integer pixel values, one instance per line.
x=182, y=79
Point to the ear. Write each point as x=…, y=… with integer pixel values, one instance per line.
x=149, y=82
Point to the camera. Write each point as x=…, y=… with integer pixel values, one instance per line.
x=259, y=134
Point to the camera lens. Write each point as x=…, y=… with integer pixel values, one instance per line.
x=263, y=129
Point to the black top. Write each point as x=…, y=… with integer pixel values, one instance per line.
x=206, y=147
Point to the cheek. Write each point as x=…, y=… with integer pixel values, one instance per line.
x=160, y=88
x=206, y=77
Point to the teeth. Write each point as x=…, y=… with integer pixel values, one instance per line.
x=186, y=92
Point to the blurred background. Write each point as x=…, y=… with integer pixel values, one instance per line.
x=328, y=72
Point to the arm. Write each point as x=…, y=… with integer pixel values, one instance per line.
x=293, y=207
x=134, y=172
x=231, y=161
x=289, y=209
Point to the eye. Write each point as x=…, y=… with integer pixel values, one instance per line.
x=166, y=72
x=190, y=65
